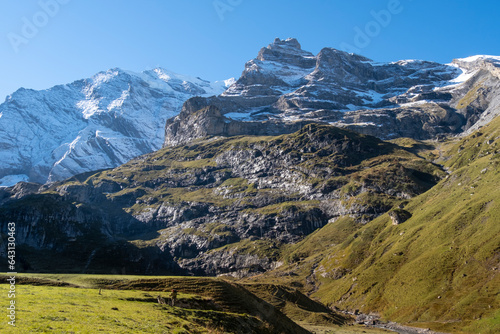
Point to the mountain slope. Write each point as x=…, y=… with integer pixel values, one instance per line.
x=439, y=268
x=285, y=87
x=203, y=208
x=90, y=124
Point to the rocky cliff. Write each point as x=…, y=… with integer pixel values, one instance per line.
x=286, y=87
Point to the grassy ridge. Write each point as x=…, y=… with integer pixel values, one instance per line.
x=68, y=309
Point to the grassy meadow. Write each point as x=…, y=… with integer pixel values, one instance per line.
x=72, y=303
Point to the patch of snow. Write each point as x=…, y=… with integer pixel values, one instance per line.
x=167, y=76
x=370, y=97
x=407, y=62
x=246, y=115
x=228, y=82
x=342, y=124
x=119, y=101
x=88, y=107
x=416, y=103
x=373, y=63
x=104, y=77
x=291, y=118
x=352, y=107
x=287, y=73
x=480, y=57
x=466, y=75
x=218, y=87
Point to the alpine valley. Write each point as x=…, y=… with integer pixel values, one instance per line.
x=313, y=184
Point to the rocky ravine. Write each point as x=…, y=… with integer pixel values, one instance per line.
x=286, y=87
x=215, y=206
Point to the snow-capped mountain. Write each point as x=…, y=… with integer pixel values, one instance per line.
x=285, y=87
x=106, y=120
x=90, y=124
x=331, y=80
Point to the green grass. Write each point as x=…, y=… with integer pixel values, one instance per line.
x=486, y=325
x=314, y=244
x=471, y=96
x=438, y=269
x=63, y=303
x=437, y=266
x=48, y=309
x=441, y=264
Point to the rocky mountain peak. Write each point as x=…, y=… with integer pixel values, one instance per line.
x=408, y=98
x=340, y=56
x=342, y=67
x=289, y=42
x=474, y=62
x=287, y=51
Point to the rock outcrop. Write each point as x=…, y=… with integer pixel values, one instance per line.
x=399, y=216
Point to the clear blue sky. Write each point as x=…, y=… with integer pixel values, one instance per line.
x=213, y=39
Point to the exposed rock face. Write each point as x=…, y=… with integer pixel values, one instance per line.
x=220, y=206
x=479, y=101
x=286, y=84
x=96, y=123
x=209, y=121
x=229, y=262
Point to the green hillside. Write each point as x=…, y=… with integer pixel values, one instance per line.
x=439, y=269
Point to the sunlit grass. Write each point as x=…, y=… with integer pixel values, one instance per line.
x=42, y=309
